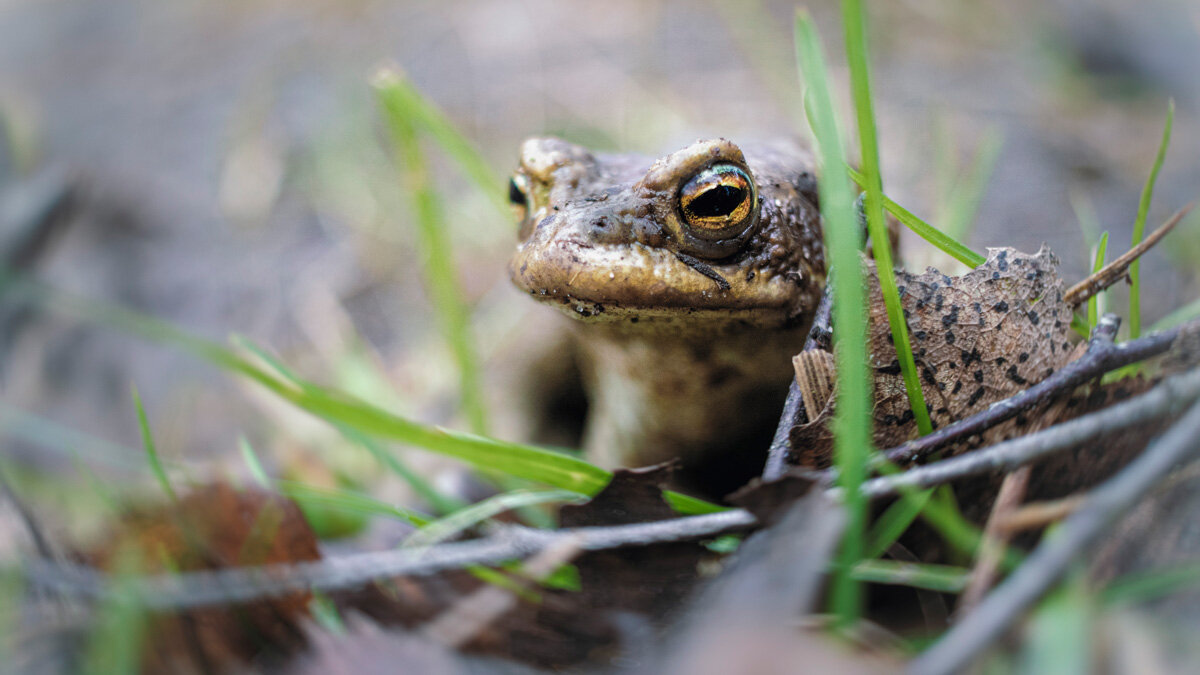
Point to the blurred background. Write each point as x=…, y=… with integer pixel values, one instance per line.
x=223, y=166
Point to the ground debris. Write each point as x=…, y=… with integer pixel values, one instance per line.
x=213, y=527
x=977, y=338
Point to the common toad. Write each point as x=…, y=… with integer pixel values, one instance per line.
x=692, y=279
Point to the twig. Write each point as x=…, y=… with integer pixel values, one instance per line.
x=245, y=584
x=1102, y=356
x=1170, y=396
x=1115, y=270
x=468, y=617
x=195, y=589
x=991, y=550
x=819, y=336
x=1049, y=561
x=1040, y=514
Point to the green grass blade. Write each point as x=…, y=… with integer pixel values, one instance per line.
x=1059, y=636
x=894, y=522
x=941, y=578
x=1139, y=226
x=156, y=465
x=12, y=597
x=1185, y=313
x=924, y=230
x=325, y=614
x=522, y=461
x=1093, y=308
x=407, y=100
x=1146, y=586
x=251, y=459
x=968, y=194
x=441, y=504
x=396, y=98
x=941, y=512
x=852, y=419
x=347, y=501
x=119, y=628
x=860, y=81
x=464, y=519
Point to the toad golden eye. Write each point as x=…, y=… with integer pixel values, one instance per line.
x=718, y=202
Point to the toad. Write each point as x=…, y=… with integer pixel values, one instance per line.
x=692, y=281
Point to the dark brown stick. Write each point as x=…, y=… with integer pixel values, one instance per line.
x=1115, y=270
x=1102, y=356
x=819, y=337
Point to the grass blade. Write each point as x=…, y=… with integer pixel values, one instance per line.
x=894, y=521
x=1093, y=308
x=119, y=627
x=401, y=106
x=1060, y=632
x=152, y=457
x=1185, y=313
x=1138, y=588
x=406, y=99
x=860, y=81
x=346, y=501
x=924, y=230
x=1139, y=226
x=257, y=472
x=852, y=419
x=466, y=518
x=964, y=203
x=522, y=461
x=941, y=578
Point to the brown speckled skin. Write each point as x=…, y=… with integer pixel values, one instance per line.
x=676, y=365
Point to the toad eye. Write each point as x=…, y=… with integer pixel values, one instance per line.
x=719, y=202
x=518, y=195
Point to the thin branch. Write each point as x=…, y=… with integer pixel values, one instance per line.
x=1102, y=356
x=1036, y=515
x=1167, y=398
x=819, y=337
x=470, y=616
x=242, y=584
x=1115, y=270
x=995, y=541
x=1049, y=561
x=246, y=584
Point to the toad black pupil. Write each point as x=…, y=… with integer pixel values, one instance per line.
x=514, y=193
x=721, y=200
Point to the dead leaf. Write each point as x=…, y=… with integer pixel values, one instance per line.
x=215, y=527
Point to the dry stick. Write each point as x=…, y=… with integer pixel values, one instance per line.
x=195, y=589
x=1164, y=400
x=469, y=617
x=1049, y=561
x=1102, y=356
x=1115, y=270
x=244, y=584
x=1037, y=515
x=995, y=541
x=819, y=336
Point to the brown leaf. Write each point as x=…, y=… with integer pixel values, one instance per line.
x=215, y=527
x=632, y=496
x=566, y=628
x=976, y=339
